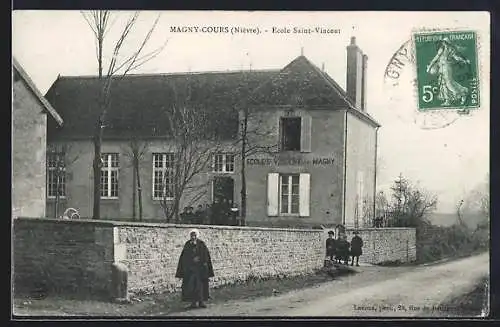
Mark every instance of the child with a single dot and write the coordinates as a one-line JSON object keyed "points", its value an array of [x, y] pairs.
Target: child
{"points": [[356, 248]]}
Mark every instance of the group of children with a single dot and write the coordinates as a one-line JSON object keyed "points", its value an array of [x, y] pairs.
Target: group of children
{"points": [[340, 249], [220, 212]]}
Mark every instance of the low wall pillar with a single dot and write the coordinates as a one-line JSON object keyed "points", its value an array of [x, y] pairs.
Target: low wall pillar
{"points": [[119, 283]]}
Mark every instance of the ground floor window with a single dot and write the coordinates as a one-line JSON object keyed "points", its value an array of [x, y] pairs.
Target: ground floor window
{"points": [[56, 175], [288, 194], [289, 191], [109, 175], [163, 176]]}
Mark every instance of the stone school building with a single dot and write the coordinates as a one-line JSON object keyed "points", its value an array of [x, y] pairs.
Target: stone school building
{"points": [[319, 167]]}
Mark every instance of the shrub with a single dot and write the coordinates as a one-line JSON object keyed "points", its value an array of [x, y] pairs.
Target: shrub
{"points": [[435, 243]]}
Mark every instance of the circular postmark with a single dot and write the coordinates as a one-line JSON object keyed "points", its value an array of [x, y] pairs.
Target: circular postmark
{"points": [[433, 78]]}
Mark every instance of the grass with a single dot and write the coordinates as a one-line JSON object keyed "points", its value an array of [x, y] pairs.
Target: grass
{"points": [[163, 304], [470, 304]]}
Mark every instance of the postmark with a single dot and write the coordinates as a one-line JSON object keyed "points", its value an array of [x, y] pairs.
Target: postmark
{"points": [[400, 85], [447, 70]]}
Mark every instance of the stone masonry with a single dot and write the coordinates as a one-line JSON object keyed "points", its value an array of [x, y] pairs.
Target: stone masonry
{"points": [[76, 256]]}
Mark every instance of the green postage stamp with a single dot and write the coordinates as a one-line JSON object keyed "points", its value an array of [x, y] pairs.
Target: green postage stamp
{"points": [[447, 70]]}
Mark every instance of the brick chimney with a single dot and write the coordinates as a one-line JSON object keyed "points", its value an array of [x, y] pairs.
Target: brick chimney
{"points": [[356, 75]]}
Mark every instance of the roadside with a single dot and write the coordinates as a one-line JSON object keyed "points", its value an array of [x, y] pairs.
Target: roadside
{"points": [[377, 292], [286, 296], [163, 304], [474, 303]]}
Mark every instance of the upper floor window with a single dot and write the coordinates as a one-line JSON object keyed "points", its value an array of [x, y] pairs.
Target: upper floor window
{"points": [[223, 163], [109, 175], [290, 133], [163, 176], [56, 175]]}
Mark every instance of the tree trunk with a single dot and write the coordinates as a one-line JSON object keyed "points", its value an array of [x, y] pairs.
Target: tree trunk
{"points": [[96, 212], [243, 187], [243, 171], [58, 185], [97, 176], [134, 183], [139, 189]]}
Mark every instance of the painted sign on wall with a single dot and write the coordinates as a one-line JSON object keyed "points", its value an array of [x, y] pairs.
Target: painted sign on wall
{"points": [[319, 161]]}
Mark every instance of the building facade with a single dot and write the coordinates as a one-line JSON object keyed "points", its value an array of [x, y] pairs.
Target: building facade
{"points": [[30, 112], [309, 155]]}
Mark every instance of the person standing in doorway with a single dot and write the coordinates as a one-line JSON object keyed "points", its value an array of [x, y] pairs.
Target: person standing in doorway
{"points": [[216, 212], [356, 248], [198, 215], [195, 268]]}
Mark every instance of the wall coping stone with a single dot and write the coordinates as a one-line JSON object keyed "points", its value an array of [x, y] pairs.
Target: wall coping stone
{"points": [[115, 223], [379, 228]]}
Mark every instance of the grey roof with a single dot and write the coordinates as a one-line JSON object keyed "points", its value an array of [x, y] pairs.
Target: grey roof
{"points": [[46, 105], [141, 103]]}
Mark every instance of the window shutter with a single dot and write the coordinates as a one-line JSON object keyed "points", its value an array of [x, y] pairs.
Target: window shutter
{"points": [[280, 135], [304, 194], [272, 194], [305, 138]]}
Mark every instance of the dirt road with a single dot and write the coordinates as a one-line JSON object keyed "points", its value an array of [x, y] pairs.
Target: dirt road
{"points": [[375, 291]]}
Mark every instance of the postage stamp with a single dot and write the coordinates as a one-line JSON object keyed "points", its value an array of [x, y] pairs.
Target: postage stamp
{"points": [[447, 70]]}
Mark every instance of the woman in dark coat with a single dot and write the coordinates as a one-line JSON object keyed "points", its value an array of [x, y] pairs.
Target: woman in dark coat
{"points": [[356, 248], [195, 268]]}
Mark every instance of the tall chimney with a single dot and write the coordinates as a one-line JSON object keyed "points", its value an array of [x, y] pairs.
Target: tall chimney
{"points": [[356, 75]]}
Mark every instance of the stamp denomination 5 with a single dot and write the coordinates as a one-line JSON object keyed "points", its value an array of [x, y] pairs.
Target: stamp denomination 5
{"points": [[447, 70]]}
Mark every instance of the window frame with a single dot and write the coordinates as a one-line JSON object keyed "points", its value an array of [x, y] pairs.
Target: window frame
{"points": [[108, 170], [289, 195], [59, 157], [224, 163], [163, 169], [282, 133]]}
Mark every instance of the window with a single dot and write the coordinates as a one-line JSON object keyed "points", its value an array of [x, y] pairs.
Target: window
{"points": [[288, 194], [290, 133], [163, 176], [223, 163], [109, 175], [56, 175]]}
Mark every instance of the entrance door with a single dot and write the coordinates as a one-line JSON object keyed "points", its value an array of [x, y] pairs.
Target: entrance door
{"points": [[222, 198], [223, 189]]}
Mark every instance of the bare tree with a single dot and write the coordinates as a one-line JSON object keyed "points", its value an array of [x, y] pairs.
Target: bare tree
{"points": [[251, 140], [135, 151], [476, 205], [100, 23], [461, 222], [60, 161], [193, 142], [249, 144], [411, 204]]}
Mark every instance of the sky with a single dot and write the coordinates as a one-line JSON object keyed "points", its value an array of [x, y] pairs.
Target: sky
{"points": [[448, 160]]}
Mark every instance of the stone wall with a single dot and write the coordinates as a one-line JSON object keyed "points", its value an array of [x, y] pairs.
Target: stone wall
{"points": [[151, 253], [62, 255], [387, 244], [77, 255]]}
